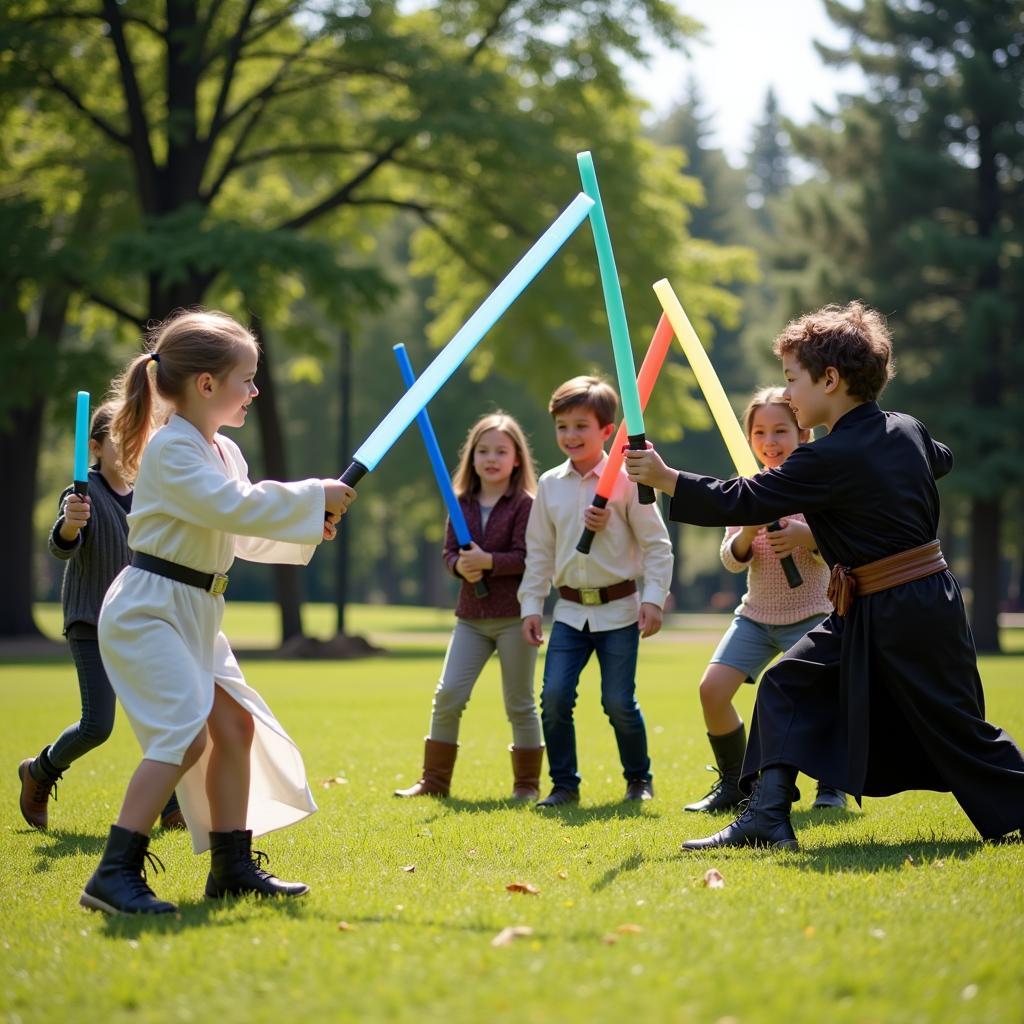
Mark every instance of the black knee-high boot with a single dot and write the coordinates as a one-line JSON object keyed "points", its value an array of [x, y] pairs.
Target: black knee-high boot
{"points": [[235, 869], [118, 886], [725, 793], [765, 819]]}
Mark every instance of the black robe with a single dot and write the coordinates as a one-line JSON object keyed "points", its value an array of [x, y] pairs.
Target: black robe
{"points": [[889, 698]]}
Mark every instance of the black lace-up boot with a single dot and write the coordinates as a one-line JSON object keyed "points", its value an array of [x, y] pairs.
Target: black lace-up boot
{"points": [[725, 794], [118, 885], [235, 869], [765, 819]]}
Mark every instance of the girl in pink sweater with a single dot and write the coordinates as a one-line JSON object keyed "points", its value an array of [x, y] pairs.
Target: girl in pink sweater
{"points": [[771, 616]]}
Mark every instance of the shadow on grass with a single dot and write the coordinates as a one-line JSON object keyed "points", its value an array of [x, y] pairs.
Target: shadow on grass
{"points": [[631, 863], [202, 913], [56, 843], [568, 814]]}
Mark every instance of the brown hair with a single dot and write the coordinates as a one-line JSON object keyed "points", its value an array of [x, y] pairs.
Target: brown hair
{"points": [[759, 399], [853, 338], [186, 344], [593, 393], [524, 477], [102, 417]]}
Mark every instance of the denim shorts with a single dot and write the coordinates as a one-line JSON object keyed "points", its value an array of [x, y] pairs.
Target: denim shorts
{"points": [[749, 646]]}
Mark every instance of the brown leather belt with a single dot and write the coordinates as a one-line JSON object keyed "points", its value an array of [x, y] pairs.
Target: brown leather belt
{"points": [[598, 595], [915, 564]]}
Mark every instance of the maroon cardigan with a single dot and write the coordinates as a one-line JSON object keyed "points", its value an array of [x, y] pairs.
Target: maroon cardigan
{"points": [[505, 539]]}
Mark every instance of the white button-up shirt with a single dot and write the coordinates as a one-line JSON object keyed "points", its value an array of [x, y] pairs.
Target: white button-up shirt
{"points": [[634, 543]]}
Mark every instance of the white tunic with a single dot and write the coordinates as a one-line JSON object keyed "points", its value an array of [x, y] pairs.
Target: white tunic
{"points": [[161, 640]]}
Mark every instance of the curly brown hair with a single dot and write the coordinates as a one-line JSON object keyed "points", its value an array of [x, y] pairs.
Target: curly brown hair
{"points": [[853, 338]]}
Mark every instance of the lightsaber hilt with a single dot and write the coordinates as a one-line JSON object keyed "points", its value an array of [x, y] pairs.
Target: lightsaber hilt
{"points": [[355, 472], [81, 488], [644, 492], [587, 537], [480, 588], [793, 577]]}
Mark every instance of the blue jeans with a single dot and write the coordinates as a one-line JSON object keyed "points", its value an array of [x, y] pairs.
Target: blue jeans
{"points": [[569, 651]]}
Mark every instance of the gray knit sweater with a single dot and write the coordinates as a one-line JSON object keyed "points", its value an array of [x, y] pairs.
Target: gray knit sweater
{"points": [[95, 557]]}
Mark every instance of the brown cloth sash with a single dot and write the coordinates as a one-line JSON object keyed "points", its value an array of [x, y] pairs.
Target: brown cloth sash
{"points": [[914, 564], [598, 595]]}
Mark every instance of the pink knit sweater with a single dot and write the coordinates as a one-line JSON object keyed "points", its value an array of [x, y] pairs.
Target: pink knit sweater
{"points": [[769, 598]]}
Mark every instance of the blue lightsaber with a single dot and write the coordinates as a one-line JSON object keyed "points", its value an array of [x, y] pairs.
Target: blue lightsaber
{"points": [[444, 482], [81, 477], [445, 363]]}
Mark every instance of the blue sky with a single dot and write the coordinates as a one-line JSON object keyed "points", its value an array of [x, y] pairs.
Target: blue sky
{"points": [[750, 45]]}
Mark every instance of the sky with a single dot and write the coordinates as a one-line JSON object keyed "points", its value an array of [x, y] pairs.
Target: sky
{"points": [[750, 46]]}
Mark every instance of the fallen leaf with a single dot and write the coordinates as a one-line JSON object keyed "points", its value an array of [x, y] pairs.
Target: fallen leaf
{"points": [[509, 935], [629, 929], [713, 879], [525, 887], [344, 926], [337, 780], [563, 874], [410, 868], [609, 939], [809, 931]]}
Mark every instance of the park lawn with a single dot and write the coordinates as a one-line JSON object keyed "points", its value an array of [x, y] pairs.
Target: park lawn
{"points": [[897, 913]]}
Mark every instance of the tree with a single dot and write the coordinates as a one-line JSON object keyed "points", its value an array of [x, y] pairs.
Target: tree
{"points": [[919, 211], [262, 144]]}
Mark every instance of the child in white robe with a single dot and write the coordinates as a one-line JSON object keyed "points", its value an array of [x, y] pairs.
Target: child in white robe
{"points": [[201, 728]]}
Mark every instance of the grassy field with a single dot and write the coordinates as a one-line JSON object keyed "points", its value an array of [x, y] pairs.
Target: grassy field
{"points": [[896, 913]]}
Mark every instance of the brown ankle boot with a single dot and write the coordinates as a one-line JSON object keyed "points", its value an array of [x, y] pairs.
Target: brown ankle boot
{"points": [[438, 765], [526, 765]]}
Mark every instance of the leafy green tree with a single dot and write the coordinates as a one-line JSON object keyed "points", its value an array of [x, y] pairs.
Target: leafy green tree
{"points": [[258, 147], [918, 210]]}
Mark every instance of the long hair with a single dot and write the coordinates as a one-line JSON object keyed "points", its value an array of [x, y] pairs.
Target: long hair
{"points": [[761, 398], [524, 477], [186, 344]]}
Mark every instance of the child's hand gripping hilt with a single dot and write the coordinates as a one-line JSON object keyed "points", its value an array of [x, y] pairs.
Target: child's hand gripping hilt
{"points": [[793, 577], [587, 537]]}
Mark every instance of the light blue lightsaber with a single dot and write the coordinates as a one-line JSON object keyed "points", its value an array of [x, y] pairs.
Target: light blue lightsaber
{"points": [[625, 368], [81, 476], [444, 482], [388, 431]]}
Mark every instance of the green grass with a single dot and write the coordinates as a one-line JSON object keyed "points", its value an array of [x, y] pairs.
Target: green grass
{"points": [[894, 914]]}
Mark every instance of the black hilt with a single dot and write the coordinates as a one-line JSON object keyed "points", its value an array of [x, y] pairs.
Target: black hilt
{"points": [[793, 577], [355, 472], [480, 587], [644, 493], [82, 488], [587, 537]]}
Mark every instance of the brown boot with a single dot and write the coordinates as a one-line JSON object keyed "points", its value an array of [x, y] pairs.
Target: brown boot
{"points": [[526, 765], [438, 765], [35, 795]]}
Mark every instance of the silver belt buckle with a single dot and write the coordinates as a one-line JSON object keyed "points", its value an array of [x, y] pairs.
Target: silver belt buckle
{"points": [[218, 584], [590, 595]]}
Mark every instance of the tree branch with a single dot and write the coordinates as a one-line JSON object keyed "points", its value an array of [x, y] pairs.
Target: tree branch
{"points": [[133, 19], [145, 164], [234, 49], [76, 101], [108, 304]]}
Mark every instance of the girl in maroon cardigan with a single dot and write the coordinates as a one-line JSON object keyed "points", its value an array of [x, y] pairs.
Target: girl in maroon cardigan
{"points": [[495, 483]]}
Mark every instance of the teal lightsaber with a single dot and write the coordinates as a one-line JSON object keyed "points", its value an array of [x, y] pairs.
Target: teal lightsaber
{"points": [[81, 476], [625, 368], [447, 361]]}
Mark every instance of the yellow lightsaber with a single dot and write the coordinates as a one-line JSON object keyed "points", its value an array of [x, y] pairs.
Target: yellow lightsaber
{"points": [[714, 394]]}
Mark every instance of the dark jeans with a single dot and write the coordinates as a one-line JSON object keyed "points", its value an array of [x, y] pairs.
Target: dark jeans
{"points": [[97, 721], [569, 651]]}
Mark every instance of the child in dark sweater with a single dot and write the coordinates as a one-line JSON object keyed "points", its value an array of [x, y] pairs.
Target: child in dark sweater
{"points": [[91, 536]]}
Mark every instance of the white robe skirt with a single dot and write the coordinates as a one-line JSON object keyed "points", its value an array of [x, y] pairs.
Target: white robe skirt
{"points": [[161, 640]]}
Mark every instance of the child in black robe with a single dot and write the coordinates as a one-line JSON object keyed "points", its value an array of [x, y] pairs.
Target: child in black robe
{"points": [[884, 695]]}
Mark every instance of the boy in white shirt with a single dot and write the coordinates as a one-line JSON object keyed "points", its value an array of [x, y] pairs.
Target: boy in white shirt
{"points": [[601, 609]]}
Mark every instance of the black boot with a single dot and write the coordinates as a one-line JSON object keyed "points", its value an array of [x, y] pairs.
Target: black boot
{"points": [[725, 793], [765, 819], [235, 869], [118, 886]]}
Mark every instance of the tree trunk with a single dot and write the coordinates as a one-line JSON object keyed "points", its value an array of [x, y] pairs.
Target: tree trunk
{"points": [[986, 523], [287, 581], [341, 549], [19, 455]]}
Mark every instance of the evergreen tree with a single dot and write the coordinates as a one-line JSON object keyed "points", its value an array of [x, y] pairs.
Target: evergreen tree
{"points": [[920, 212]]}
